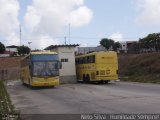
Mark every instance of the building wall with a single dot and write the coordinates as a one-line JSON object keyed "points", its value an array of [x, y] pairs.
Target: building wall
{"points": [[124, 45], [4, 55], [11, 49], [68, 71], [68, 68], [10, 68]]}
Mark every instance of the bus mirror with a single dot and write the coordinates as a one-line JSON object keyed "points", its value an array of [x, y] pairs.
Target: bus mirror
{"points": [[60, 65]]}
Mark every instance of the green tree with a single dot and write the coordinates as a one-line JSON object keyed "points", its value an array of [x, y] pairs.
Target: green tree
{"points": [[107, 43], [2, 48], [151, 42], [116, 46], [23, 50]]}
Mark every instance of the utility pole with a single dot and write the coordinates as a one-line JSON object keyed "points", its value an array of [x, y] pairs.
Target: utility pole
{"points": [[20, 31], [69, 33], [65, 40], [29, 45]]}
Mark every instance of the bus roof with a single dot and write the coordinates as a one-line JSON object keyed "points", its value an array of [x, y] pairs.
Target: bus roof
{"points": [[94, 53], [43, 52]]}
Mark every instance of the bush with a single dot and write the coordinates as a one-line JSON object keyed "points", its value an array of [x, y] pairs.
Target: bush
{"points": [[2, 48]]}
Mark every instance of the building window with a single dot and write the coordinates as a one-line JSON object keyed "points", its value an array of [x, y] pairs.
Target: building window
{"points": [[64, 60], [86, 60]]}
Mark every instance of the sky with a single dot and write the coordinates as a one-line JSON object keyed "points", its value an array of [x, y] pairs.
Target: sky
{"points": [[83, 22]]}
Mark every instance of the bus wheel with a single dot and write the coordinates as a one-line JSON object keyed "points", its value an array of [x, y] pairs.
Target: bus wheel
{"points": [[106, 82], [88, 78], [84, 78], [100, 82], [23, 83]]}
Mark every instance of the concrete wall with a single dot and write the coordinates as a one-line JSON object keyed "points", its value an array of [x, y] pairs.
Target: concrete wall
{"points": [[4, 55], [10, 68], [68, 79], [68, 71], [124, 45], [11, 49], [10, 73]]}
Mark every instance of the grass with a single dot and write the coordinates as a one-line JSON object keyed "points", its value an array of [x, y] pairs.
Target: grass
{"points": [[140, 67], [154, 78], [7, 110]]}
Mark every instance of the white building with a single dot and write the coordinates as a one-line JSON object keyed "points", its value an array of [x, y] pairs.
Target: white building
{"points": [[124, 46], [12, 48], [66, 55]]}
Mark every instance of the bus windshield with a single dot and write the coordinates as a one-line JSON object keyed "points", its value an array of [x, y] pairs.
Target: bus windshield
{"points": [[45, 68]]}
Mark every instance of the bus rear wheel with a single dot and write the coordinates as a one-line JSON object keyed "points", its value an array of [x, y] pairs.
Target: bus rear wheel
{"points": [[87, 78], [84, 78], [106, 82]]}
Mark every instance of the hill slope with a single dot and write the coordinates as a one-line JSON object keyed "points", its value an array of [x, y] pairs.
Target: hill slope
{"points": [[140, 67]]}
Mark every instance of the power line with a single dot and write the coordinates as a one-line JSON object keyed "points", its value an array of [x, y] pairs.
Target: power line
{"points": [[62, 37], [20, 33], [69, 33]]}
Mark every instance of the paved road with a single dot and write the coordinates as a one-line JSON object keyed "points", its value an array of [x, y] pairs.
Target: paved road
{"points": [[119, 97]]}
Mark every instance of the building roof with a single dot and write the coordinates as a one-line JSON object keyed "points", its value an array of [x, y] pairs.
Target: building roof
{"points": [[43, 52], [56, 46], [12, 46]]}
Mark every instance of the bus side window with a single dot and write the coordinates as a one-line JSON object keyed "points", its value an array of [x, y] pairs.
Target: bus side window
{"points": [[88, 59], [85, 60], [92, 59], [81, 60]]}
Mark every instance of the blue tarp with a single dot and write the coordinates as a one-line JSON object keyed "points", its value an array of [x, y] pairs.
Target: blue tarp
{"points": [[42, 57]]}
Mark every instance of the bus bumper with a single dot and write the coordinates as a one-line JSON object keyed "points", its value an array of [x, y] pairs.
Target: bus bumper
{"points": [[105, 78], [44, 82]]}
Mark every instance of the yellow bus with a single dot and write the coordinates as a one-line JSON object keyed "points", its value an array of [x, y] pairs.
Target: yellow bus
{"points": [[40, 69], [97, 67]]}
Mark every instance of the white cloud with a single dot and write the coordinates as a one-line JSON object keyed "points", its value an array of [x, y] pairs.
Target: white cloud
{"points": [[9, 22], [149, 12], [80, 17], [42, 41], [13, 39], [49, 17], [83, 44], [116, 36]]}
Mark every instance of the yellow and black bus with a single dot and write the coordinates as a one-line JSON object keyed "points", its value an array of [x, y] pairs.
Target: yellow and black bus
{"points": [[40, 69], [97, 67]]}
